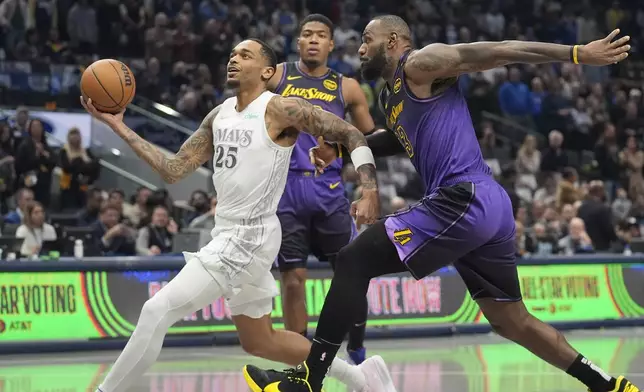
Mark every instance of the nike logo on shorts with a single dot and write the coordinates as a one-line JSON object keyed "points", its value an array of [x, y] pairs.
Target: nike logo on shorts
{"points": [[335, 185]]}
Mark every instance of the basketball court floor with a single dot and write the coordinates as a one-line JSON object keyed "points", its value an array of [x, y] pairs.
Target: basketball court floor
{"points": [[475, 363]]}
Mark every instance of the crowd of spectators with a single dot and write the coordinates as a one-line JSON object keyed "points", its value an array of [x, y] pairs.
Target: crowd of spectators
{"points": [[576, 177]]}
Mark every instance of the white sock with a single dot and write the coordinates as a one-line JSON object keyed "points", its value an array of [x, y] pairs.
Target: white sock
{"points": [[347, 374]]}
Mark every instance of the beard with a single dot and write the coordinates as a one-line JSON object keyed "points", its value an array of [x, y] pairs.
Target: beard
{"points": [[372, 69]]}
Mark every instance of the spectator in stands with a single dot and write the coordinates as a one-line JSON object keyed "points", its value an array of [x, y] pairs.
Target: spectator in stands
{"points": [[7, 167], [515, 100], [136, 209], [158, 42], [7, 140], [567, 213], [344, 32], [200, 202], [20, 124], [35, 162], [149, 84], [116, 197], [607, 157], [621, 205], [14, 20], [24, 197], [548, 193], [89, 215], [156, 238], [113, 238], [597, 217], [545, 244], [577, 241], [29, 48], [554, 158], [528, 162], [489, 148], [632, 158], [524, 243], [284, 18], [34, 231], [79, 171], [567, 192], [555, 108], [206, 221], [82, 27], [184, 41], [537, 95]]}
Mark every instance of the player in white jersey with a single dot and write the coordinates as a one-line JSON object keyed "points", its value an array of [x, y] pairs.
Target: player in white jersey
{"points": [[250, 138]]}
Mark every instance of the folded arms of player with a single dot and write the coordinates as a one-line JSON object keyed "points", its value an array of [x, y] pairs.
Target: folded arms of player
{"points": [[171, 167], [295, 113], [439, 61]]}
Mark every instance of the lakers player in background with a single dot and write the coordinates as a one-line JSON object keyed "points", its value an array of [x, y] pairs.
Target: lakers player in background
{"points": [[314, 211], [250, 138]]}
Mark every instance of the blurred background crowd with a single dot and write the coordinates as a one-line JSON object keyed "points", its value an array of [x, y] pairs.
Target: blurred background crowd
{"points": [[565, 140]]}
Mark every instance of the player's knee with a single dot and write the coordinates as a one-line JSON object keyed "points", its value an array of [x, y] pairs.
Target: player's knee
{"points": [[293, 283], [349, 263], [152, 312], [513, 325]]}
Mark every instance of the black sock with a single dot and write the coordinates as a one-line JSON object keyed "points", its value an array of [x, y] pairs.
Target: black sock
{"points": [[305, 333], [319, 361], [591, 375]]}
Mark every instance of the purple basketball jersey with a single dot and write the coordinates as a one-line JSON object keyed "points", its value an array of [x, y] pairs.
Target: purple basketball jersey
{"points": [[324, 92], [437, 133]]}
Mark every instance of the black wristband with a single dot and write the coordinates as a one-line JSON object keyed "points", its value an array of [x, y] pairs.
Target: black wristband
{"points": [[572, 53]]}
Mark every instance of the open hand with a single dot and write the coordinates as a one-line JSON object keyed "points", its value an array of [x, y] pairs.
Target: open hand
{"points": [[107, 118], [605, 51], [322, 155]]}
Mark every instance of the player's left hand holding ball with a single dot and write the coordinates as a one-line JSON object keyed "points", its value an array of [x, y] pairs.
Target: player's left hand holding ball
{"points": [[605, 51], [110, 119], [366, 210]]}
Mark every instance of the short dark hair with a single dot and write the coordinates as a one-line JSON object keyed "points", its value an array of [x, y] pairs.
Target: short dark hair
{"points": [[268, 52], [316, 18], [395, 24], [117, 191]]}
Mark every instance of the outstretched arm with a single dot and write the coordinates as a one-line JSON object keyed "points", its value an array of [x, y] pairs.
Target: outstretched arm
{"points": [[172, 167], [439, 61], [301, 115]]}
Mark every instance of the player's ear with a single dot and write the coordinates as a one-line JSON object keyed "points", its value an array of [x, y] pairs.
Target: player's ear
{"points": [[267, 73], [393, 37], [331, 45], [298, 45]]}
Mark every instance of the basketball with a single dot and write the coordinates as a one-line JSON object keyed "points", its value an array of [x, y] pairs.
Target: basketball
{"points": [[110, 84]]}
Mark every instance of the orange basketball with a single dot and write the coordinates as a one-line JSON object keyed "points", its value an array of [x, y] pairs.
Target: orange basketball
{"points": [[110, 84]]}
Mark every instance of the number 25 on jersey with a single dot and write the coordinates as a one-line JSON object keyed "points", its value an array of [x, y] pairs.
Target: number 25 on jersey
{"points": [[225, 156]]}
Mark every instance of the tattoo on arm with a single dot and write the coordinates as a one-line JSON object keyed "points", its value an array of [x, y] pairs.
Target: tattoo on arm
{"points": [[193, 153], [437, 61], [301, 115]]}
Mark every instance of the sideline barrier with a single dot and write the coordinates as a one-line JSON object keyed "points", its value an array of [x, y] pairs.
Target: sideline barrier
{"points": [[70, 304]]}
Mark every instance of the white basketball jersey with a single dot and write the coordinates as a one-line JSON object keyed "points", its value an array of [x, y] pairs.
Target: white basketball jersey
{"points": [[250, 169]]}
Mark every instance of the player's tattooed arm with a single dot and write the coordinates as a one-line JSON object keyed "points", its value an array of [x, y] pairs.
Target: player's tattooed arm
{"points": [[173, 167], [440, 61], [296, 113]]}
